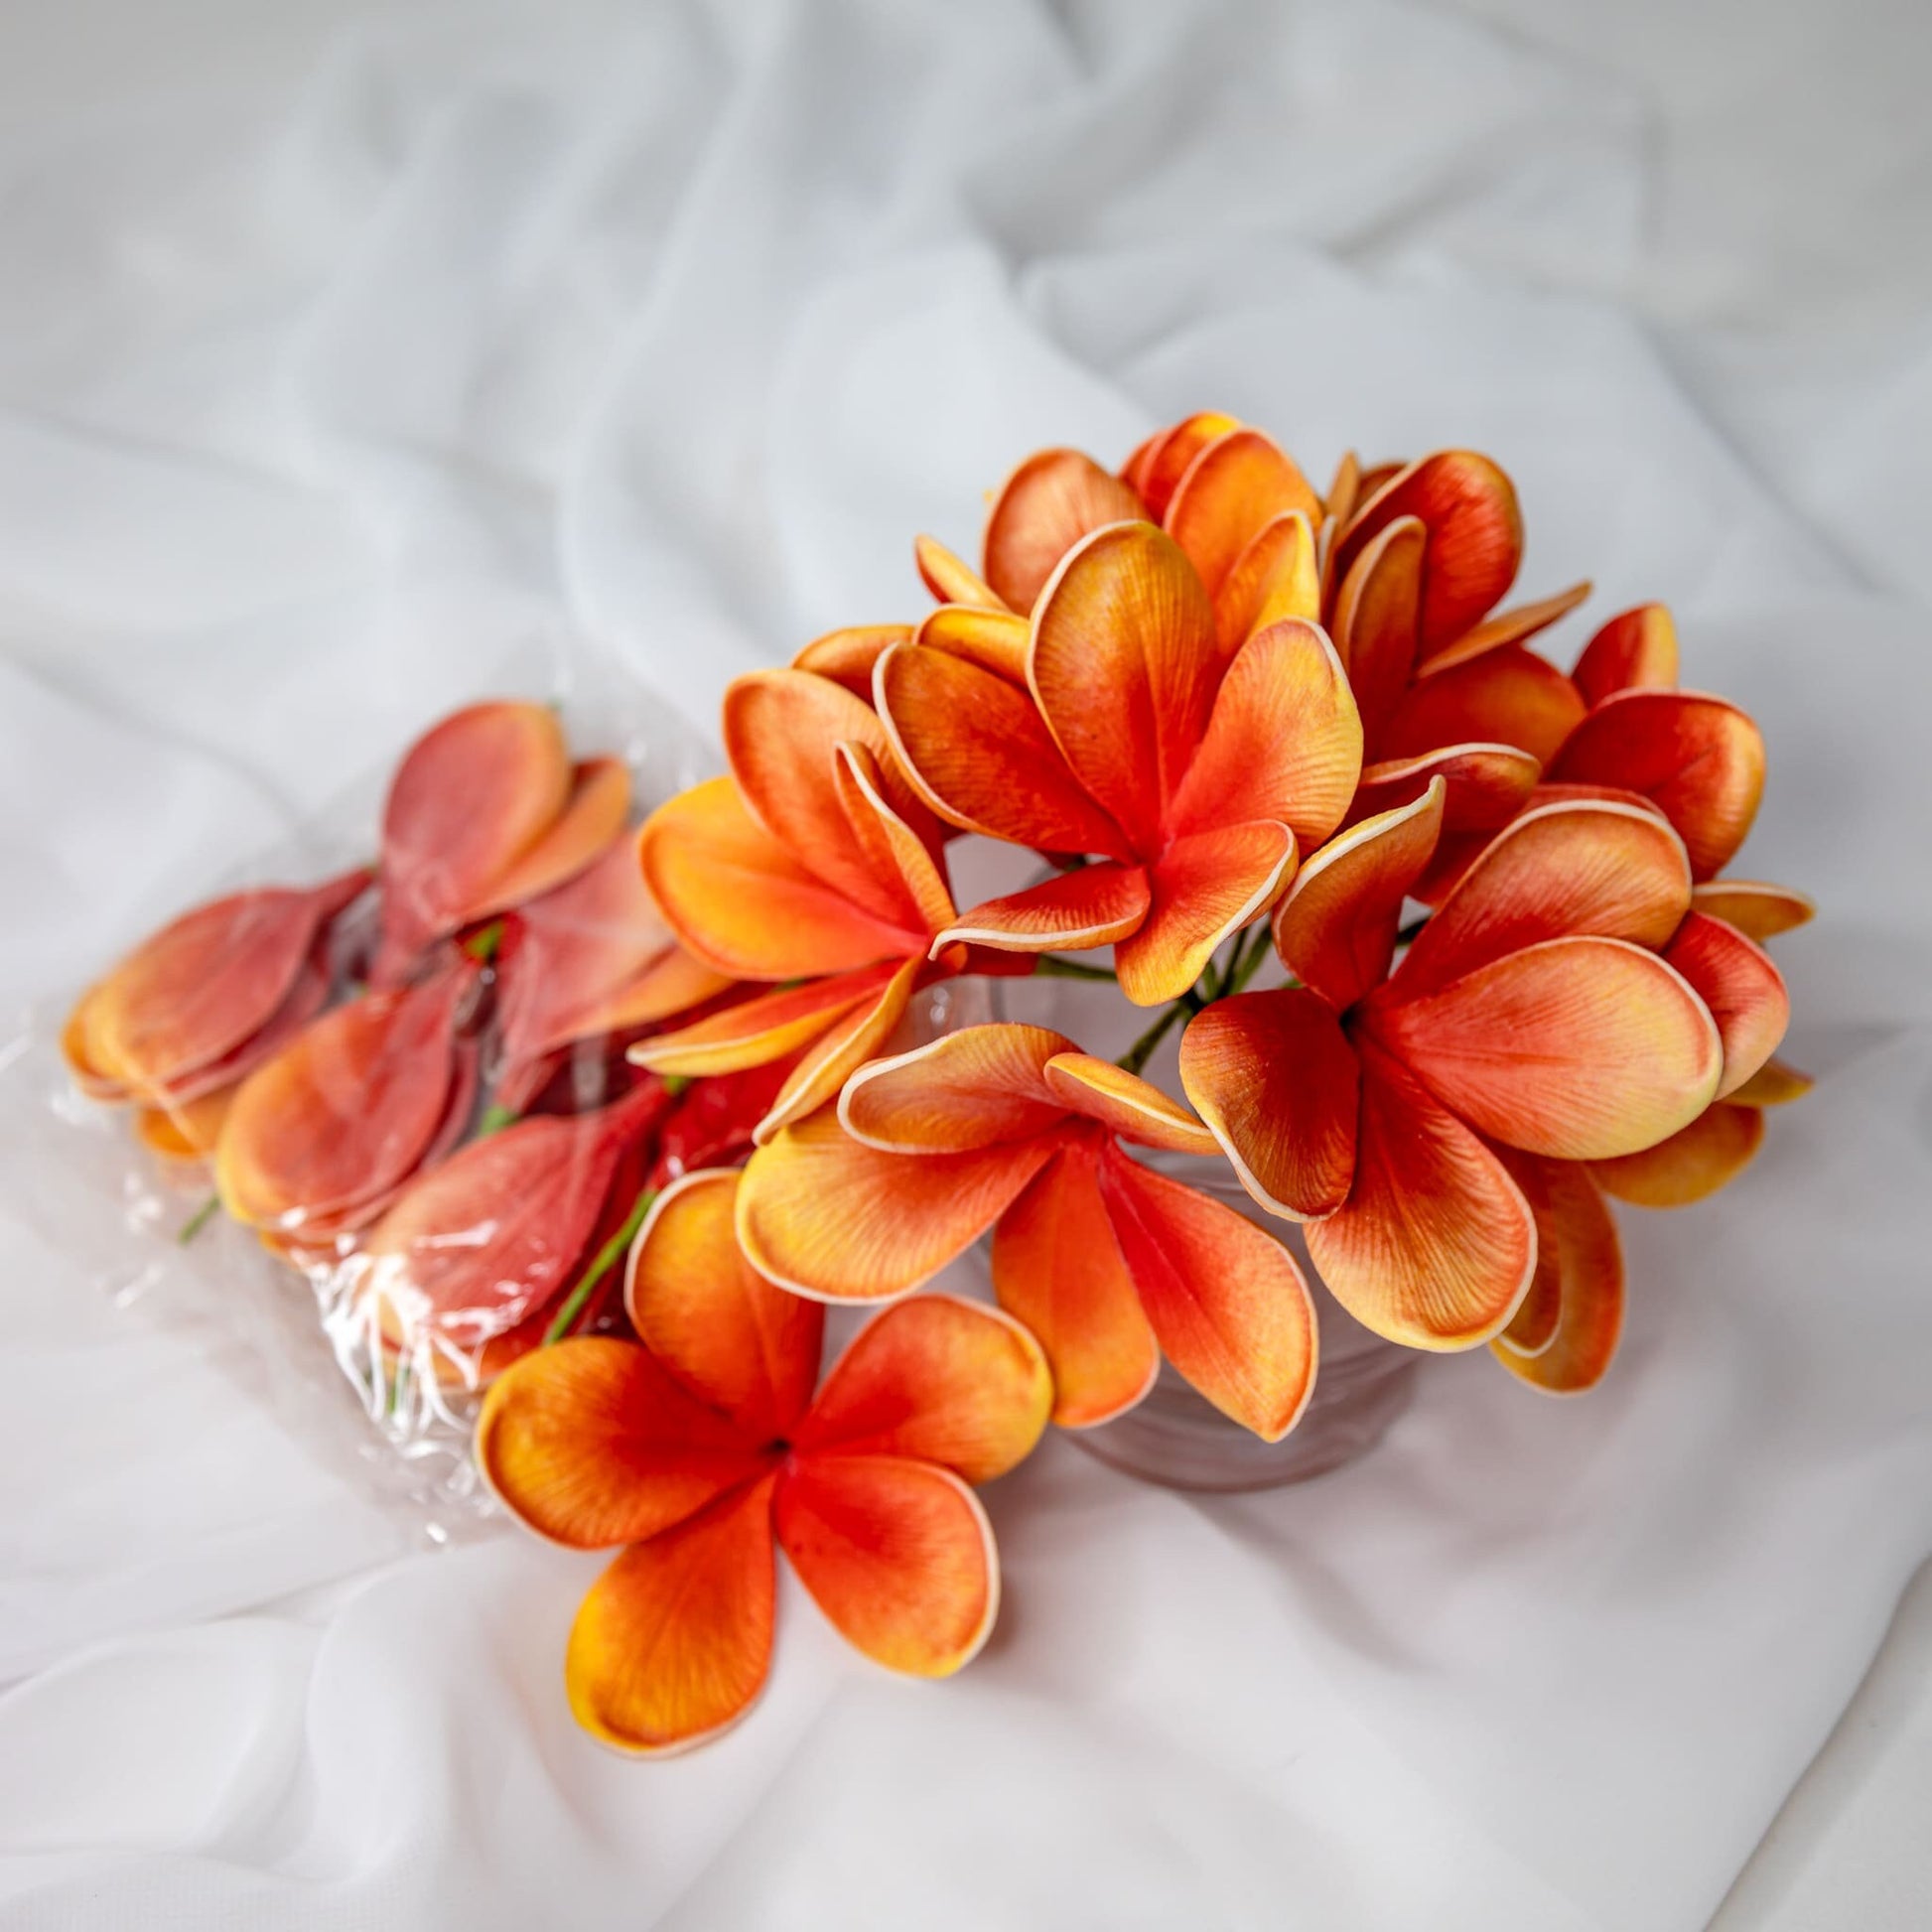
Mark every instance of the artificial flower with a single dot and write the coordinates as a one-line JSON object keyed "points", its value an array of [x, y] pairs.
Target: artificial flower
{"points": [[700, 1447], [1108, 1263]]}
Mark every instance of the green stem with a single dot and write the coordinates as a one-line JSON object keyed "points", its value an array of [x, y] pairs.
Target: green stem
{"points": [[481, 946], [1246, 968], [607, 1259], [1141, 1050], [196, 1221], [1049, 967], [495, 1117]]}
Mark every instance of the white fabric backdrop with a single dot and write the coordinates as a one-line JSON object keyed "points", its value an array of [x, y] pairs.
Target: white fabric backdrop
{"points": [[327, 382]]}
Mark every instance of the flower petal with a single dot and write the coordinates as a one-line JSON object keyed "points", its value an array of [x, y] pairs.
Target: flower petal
{"points": [[1204, 886], [979, 753], [1053, 500], [1578, 1049], [1378, 617], [847, 656], [1507, 695], [592, 1443], [1238, 482], [719, 1327], [939, 1380], [1774, 1084], [743, 904], [1224, 1298], [1744, 990], [995, 640], [1093, 905], [673, 1643], [757, 1032], [1125, 1104], [1636, 650], [825, 1216], [1505, 628], [1274, 1077], [1156, 468], [840, 1052], [1283, 741], [1436, 1246], [1336, 928], [1057, 1267], [1757, 909], [1533, 1328], [1124, 667], [1277, 576], [898, 857], [1588, 1273], [188, 1132], [1344, 490], [1486, 785], [898, 1554], [961, 1091], [674, 982], [1475, 538], [949, 579], [1586, 867], [1700, 759], [1692, 1164], [593, 814]]}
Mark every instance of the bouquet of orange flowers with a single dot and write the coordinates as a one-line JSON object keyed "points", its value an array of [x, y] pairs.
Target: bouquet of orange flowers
{"points": [[1444, 932]]}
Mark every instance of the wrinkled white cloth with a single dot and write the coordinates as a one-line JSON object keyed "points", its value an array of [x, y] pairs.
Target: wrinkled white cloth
{"points": [[665, 330]]}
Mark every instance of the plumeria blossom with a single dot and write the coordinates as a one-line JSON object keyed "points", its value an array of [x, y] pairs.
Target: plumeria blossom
{"points": [[813, 864], [701, 1446], [1110, 1264], [1566, 1002], [1129, 730]]}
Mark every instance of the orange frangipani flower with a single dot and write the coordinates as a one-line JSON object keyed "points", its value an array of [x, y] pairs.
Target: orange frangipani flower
{"points": [[1564, 1004], [700, 1445], [1194, 769], [1109, 1264], [812, 863]]}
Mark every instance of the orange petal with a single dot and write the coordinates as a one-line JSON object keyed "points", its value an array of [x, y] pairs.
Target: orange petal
{"points": [[1057, 1267], [1507, 695], [671, 984], [839, 1052], [1278, 1084], [1336, 928], [470, 798], [1486, 785], [961, 1091], [1744, 990], [1224, 1298], [188, 1132], [1505, 628], [1694, 1163], [1774, 1084], [1700, 759], [1283, 741], [722, 1329], [1344, 491], [1204, 888], [995, 640], [1158, 465], [1533, 1328], [939, 1380], [981, 756], [674, 1640], [757, 1032], [1475, 538], [1378, 613], [1578, 1048], [898, 1554], [1590, 867], [1124, 667], [1277, 576], [822, 1216], [949, 579], [1636, 650], [1053, 500], [910, 879], [347, 1112], [1125, 1104], [1758, 910], [591, 1442], [1436, 1246], [592, 815], [743, 904], [1094, 905], [847, 656], [1588, 1271], [1236, 485]]}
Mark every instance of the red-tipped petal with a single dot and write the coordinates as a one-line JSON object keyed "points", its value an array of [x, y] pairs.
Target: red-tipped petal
{"points": [[939, 1380], [1344, 490], [1507, 695], [1636, 650], [592, 815], [1204, 888], [840, 1052], [1053, 500], [900, 859], [1378, 617], [1758, 910], [1744, 990], [1224, 1298], [1094, 905], [961, 1091], [1486, 785], [1274, 1077], [847, 656], [1156, 468], [949, 579], [1700, 759], [757, 1032], [1277, 576], [1236, 485], [1692, 1165], [1589, 1275], [1505, 628], [1125, 1104]]}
